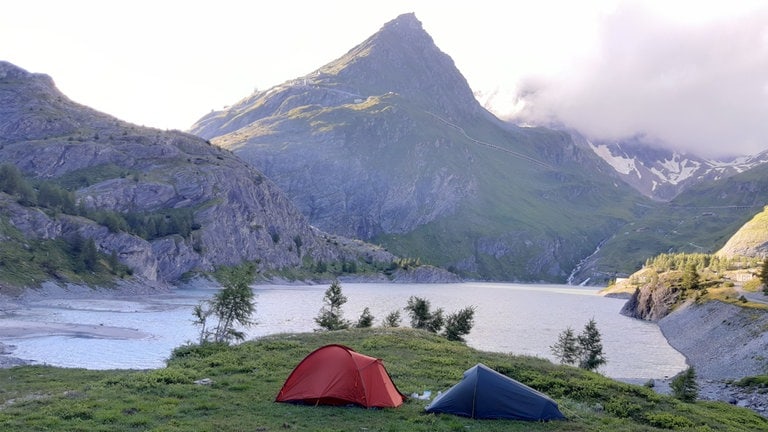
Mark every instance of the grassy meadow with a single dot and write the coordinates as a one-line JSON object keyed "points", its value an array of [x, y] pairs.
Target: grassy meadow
{"points": [[246, 378]]}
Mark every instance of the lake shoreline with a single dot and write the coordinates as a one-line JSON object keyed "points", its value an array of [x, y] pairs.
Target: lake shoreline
{"points": [[497, 299]]}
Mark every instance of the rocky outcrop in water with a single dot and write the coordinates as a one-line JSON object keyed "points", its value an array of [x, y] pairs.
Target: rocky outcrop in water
{"points": [[651, 303]]}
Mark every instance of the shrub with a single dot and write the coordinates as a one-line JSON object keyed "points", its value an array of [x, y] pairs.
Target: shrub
{"points": [[668, 421]]}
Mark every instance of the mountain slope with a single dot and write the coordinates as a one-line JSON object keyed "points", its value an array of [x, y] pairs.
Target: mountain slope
{"points": [[388, 144], [124, 171], [699, 220], [750, 240]]}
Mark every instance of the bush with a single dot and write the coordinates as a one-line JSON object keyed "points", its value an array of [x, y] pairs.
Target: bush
{"points": [[668, 421]]}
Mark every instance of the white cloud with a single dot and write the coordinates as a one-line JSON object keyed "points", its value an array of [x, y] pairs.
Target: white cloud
{"points": [[698, 85]]}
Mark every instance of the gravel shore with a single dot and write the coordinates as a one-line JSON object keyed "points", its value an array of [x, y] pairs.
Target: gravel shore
{"points": [[723, 343], [11, 326]]}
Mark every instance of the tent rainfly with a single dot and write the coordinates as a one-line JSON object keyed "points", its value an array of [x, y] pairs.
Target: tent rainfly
{"points": [[484, 393], [337, 375]]}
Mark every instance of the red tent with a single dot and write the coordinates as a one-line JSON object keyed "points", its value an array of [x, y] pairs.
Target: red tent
{"points": [[337, 375]]}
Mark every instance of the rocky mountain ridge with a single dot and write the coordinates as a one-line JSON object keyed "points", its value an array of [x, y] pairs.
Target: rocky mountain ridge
{"points": [[388, 144], [239, 215]]}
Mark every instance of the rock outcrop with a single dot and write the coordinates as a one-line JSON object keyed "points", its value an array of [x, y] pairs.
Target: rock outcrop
{"points": [[651, 303]]}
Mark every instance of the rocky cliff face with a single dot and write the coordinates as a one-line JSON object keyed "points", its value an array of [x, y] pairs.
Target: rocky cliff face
{"points": [[651, 303], [388, 144], [112, 165]]}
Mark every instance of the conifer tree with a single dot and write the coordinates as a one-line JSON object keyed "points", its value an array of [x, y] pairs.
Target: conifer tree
{"points": [[330, 316], [590, 347], [365, 320], [459, 324], [566, 349], [684, 386]]}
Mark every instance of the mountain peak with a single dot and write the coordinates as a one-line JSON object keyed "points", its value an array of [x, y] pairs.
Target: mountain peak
{"points": [[402, 58], [9, 71]]}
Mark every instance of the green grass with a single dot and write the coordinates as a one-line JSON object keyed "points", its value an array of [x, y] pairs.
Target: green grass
{"points": [[247, 377]]}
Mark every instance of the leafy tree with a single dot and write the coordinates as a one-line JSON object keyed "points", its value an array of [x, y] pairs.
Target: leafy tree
{"points": [[365, 320], [691, 279], [422, 317], [590, 347], [459, 324], [330, 317], [231, 306], [684, 386], [392, 319], [567, 348]]}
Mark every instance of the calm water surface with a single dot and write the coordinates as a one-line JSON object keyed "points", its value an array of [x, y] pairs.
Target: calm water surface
{"points": [[509, 318]]}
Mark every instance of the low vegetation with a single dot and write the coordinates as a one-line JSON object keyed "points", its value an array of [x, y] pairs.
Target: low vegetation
{"points": [[243, 380]]}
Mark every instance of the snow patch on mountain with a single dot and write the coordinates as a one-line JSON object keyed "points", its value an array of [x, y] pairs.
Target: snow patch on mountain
{"points": [[677, 169], [621, 164], [661, 173]]}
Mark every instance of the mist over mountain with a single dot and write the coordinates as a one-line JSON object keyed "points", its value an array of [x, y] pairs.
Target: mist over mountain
{"points": [[388, 144]]}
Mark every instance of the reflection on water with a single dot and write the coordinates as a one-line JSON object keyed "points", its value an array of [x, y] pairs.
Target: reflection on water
{"points": [[509, 318]]}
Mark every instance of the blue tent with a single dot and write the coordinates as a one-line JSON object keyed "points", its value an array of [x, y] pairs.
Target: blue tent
{"points": [[484, 393]]}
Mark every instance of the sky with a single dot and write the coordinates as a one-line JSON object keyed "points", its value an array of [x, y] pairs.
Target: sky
{"points": [[687, 74]]}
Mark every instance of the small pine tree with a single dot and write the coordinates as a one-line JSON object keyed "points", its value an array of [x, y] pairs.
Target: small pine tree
{"points": [[459, 324], [590, 347], [365, 320], [392, 319], [566, 349], [422, 317], [691, 279], [330, 316], [684, 386]]}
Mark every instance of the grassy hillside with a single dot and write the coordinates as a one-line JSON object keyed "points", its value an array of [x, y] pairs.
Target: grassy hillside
{"points": [[246, 379]]}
